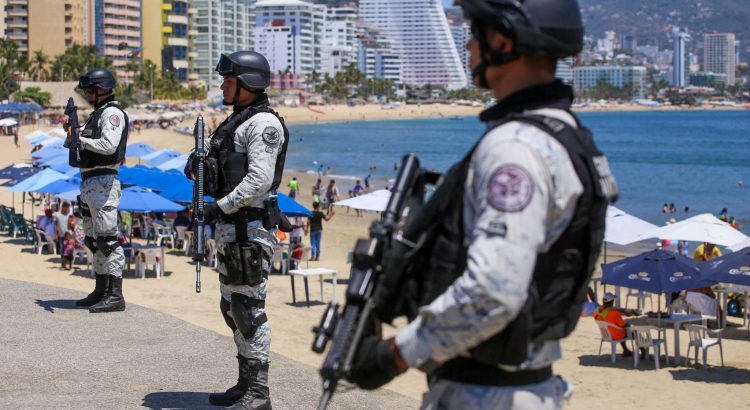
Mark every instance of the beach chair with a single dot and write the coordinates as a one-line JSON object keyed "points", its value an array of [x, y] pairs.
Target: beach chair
{"points": [[20, 226], [42, 241], [161, 233], [607, 337], [698, 340], [148, 257], [180, 238], [644, 340], [211, 258]]}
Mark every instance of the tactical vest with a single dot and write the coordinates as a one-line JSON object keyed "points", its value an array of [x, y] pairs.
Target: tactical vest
{"points": [[225, 167], [561, 274], [90, 159]]}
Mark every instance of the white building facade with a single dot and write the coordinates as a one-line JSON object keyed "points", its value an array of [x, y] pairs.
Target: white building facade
{"points": [[461, 32], [375, 55], [220, 27], [339, 46], [718, 55], [619, 76], [422, 39], [289, 33], [680, 60]]}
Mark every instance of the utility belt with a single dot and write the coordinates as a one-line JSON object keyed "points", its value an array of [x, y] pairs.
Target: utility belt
{"points": [[97, 172], [243, 216], [469, 371], [242, 259]]}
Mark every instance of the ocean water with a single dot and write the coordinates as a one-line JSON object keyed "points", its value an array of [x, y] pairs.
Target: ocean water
{"points": [[689, 158]]}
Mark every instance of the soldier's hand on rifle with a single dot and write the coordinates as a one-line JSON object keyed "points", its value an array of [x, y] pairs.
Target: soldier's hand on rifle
{"points": [[66, 125], [212, 213], [376, 363], [190, 168]]}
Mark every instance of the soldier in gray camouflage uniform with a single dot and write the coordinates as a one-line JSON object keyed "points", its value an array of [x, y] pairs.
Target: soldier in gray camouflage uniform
{"points": [[508, 271], [245, 160], [103, 139]]}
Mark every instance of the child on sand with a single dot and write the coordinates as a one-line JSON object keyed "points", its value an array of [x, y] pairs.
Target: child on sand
{"points": [[69, 245]]}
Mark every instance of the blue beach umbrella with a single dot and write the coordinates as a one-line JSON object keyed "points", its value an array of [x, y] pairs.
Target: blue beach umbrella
{"points": [[138, 150], [656, 271], [49, 152], [62, 166], [18, 171], [731, 268], [177, 163], [162, 158], [70, 195], [52, 141], [37, 180], [61, 185], [137, 199], [36, 137], [290, 207]]}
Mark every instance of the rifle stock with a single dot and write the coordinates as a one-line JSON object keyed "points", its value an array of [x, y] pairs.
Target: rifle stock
{"points": [[198, 203], [72, 112], [346, 329]]}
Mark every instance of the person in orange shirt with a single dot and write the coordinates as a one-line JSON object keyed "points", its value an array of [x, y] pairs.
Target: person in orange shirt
{"points": [[608, 313]]}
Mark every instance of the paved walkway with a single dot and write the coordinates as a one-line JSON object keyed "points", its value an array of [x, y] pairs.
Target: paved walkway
{"points": [[53, 355]]}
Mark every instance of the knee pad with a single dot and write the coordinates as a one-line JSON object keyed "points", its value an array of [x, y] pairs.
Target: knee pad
{"points": [[107, 244], [243, 316], [225, 306], [90, 243]]}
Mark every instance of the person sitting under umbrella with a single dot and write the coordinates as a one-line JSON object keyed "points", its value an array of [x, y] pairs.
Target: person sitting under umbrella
{"points": [[608, 313], [703, 300]]}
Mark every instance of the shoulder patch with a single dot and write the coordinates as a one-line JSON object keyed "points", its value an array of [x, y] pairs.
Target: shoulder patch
{"points": [[510, 188], [114, 120], [271, 136]]}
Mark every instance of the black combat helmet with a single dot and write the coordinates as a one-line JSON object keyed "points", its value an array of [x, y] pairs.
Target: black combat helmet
{"points": [[551, 27], [98, 77], [250, 68]]}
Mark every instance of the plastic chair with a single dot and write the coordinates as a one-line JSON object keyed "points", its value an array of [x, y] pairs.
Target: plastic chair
{"points": [[281, 256], [607, 337], [644, 340], [161, 233], [41, 243], [147, 258], [89, 261], [698, 340], [212, 260], [303, 256], [180, 238], [640, 297]]}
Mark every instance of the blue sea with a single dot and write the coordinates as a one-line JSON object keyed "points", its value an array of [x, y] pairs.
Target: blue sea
{"points": [[690, 158]]}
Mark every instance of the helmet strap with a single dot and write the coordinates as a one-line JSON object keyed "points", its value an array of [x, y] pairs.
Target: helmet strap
{"points": [[496, 57]]}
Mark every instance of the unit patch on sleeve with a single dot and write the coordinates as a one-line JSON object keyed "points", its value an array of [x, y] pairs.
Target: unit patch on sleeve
{"points": [[271, 136], [114, 120], [510, 188]]}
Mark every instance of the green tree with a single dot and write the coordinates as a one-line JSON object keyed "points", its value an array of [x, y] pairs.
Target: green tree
{"points": [[38, 68], [34, 94], [77, 60], [11, 67]]}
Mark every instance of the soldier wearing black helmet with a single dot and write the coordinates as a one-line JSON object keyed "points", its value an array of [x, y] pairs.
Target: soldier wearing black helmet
{"points": [[103, 139], [502, 273], [245, 160]]}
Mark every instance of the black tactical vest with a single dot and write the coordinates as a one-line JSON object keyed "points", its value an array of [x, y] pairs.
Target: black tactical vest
{"points": [[226, 168], [90, 159], [560, 277]]}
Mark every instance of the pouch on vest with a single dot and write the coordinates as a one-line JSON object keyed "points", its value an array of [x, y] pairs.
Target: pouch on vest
{"points": [[232, 168], [271, 212], [244, 263]]}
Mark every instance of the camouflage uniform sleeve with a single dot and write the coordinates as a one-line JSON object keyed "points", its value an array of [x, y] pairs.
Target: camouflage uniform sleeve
{"points": [[111, 124], [506, 203], [262, 139]]}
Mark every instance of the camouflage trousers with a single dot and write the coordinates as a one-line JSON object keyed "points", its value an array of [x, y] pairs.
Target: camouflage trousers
{"points": [[548, 395], [102, 196], [258, 346]]}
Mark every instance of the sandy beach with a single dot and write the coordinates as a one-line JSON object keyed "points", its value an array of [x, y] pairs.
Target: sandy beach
{"points": [[597, 381]]}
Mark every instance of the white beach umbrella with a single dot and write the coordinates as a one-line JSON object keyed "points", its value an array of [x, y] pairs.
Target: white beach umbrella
{"points": [[6, 122], [374, 201], [739, 245], [57, 132], [174, 163], [700, 228], [623, 228]]}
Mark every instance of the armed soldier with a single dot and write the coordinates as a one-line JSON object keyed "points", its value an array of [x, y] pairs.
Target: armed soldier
{"points": [[101, 150], [503, 272], [243, 170]]}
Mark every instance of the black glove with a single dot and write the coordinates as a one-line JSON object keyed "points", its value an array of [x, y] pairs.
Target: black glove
{"points": [[211, 213], [375, 364], [190, 167]]}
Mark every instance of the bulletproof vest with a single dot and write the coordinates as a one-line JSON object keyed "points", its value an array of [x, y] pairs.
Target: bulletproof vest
{"points": [[225, 167], [90, 159], [561, 274]]}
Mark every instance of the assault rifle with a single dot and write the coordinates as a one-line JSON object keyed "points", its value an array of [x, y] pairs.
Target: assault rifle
{"points": [[198, 203], [75, 142], [345, 329]]}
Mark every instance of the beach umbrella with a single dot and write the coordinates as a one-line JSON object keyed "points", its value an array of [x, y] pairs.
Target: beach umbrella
{"points": [[731, 268], [51, 141], [155, 154], [623, 228], [290, 207], [62, 166], [58, 132], [49, 152], [734, 248], [700, 228], [8, 122], [138, 199], [61, 185], [17, 171], [138, 150], [177, 163], [37, 180], [374, 201], [36, 137], [70, 195], [162, 158]]}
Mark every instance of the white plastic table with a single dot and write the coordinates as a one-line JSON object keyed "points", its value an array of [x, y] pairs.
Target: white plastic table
{"points": [[306, 273], [676, 320]]}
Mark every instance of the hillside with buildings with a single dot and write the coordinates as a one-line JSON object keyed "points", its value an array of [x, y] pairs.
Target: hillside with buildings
{"points": [[651, 21]]}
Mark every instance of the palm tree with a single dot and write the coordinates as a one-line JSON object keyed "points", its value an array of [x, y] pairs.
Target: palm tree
{"points": [[38, 67]]}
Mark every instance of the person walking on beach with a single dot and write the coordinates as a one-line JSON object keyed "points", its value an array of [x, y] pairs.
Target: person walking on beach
{"points": [[357, 191], [315, 228], [293, 187], [332, 195], [316, 190], [248, 150], [15, 137], [103, 139], [516, 230]]}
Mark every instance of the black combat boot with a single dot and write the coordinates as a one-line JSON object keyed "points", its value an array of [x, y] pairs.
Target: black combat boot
{"points": [[102, 282], [113, 300], [256, 396], [234, 393]]}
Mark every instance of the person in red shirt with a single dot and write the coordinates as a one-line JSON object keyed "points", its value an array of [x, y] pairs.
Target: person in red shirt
{"points": [[608, 313]]}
